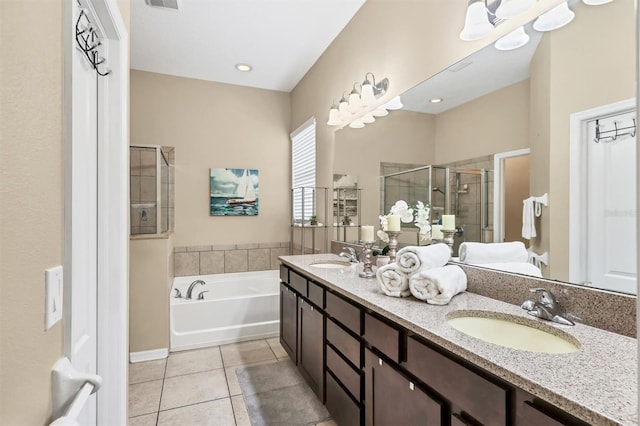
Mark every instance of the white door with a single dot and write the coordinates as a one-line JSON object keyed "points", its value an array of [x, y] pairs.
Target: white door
{"points": [[611, 205], [81, 248]]}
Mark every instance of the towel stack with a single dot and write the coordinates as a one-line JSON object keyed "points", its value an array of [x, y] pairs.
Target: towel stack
{"points": [[421, 272], [509, 257]]}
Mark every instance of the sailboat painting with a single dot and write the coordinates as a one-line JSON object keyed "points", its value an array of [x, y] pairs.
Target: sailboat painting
{"points": [[233, 192]]}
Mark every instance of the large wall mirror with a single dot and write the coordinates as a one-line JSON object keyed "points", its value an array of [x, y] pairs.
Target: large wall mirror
{"points": [[538, 102]]}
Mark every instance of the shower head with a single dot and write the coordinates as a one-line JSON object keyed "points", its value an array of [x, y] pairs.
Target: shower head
{"points": [[436, 189]]}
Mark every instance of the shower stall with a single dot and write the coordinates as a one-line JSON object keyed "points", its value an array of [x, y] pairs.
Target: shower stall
{"points": [[462, 192], [151, 189]]}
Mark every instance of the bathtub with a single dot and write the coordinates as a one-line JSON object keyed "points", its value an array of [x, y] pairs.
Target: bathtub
{"points": [[236, 307]]}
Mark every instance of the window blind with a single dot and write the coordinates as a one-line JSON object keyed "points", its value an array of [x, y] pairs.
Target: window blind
{"points": [[303, 169]]}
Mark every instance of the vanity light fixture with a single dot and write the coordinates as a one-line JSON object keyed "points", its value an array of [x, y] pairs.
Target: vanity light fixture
{"points": [[243, 67], [353, 102], [513, 40], [510, 8], [555, 18], [476, 23]]}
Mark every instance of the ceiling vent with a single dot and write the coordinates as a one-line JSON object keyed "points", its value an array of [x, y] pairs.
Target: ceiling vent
{"points": [[168, 4]]}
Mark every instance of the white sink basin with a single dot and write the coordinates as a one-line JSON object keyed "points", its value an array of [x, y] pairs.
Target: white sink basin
{"points": [[330, 264], [512, 332]]}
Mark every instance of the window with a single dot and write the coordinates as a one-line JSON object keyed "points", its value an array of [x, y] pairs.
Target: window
{"points": [[303, 169]]}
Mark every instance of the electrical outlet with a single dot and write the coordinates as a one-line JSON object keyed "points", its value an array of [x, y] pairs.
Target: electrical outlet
{"points": [[53, 296]]}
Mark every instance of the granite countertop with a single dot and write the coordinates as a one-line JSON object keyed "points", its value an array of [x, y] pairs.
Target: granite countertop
{"points": [[597, 384]]}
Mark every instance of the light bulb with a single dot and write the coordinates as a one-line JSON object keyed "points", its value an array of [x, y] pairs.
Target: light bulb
{"points": [[555, 18], [476, 23], [513, 40]]}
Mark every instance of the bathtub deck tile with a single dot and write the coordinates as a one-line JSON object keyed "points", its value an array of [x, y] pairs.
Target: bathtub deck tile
{"points": [[187, 362], [259, 259], [194, 388], [144, 398], [219, 412], [243, 353], [235, 261], [211, 262], [146, 371], [187, 263]]}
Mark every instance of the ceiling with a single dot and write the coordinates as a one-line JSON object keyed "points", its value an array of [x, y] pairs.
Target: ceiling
{"points": [[205, 39]]}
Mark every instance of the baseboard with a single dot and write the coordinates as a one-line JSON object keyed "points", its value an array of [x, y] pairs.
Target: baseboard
{"points": [[148, 355]]}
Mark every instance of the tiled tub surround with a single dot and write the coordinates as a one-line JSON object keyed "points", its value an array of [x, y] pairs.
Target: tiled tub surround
{"points": [[615, 312], [597, 384], [219, 259]]}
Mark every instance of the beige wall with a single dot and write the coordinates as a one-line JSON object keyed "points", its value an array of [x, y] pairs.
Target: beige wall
{"points": [[497, 122], [599, 72], [217, 125], [31, 191], [150, 277]]}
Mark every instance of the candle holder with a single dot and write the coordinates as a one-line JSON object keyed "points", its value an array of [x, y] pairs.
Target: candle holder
{"points": [[367, 272], [448, 238], [393, 244]]}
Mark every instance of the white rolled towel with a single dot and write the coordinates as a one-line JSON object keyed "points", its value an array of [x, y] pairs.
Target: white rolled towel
{"points": [[393, 281], [515, 267], [437, 286], [479, 253], [415, 258]]}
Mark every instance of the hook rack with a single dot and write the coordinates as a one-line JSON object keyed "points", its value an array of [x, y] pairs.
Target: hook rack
{"points": [[616, 132], [88, 42]]}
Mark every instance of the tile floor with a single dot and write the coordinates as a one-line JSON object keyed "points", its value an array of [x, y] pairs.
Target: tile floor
{"points": [[197, 387]]}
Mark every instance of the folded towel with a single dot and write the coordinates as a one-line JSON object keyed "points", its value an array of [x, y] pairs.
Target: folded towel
{"points": [[528, 221], [479, 253], [413, 258], [393, 281], [438, 285], [515, 267]]}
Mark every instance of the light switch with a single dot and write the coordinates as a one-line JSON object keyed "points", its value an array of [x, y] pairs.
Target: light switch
{"points": [[53, 296]]}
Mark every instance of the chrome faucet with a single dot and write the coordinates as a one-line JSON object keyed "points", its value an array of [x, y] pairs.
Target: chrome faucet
{"points": [[547, 308], [350, 254], [191, 286]]}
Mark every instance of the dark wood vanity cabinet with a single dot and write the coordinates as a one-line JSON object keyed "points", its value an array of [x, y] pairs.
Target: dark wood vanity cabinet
{"points": [[369, 370], [311, 346]]}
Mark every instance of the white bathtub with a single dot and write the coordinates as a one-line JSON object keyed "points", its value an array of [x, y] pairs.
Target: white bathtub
{"points": [[236, 307]]}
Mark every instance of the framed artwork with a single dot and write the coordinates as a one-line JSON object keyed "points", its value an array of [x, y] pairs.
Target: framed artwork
{"points": [[233, 192]]}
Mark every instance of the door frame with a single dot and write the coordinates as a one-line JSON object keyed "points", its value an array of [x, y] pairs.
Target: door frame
{"points": [[113, 199], [498, 190], [577, 187]]}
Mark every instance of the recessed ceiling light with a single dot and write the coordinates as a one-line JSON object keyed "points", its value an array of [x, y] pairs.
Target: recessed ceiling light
{"points": [[435, 100], [243, 67]]}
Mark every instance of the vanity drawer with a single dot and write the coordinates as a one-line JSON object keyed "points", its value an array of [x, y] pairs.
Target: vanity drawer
{"points": [[344, 312], [348, 345], [349, 377], [284, 274], [298, 283], [316, 294], [344, 410], [382, 336], [485, 401]]}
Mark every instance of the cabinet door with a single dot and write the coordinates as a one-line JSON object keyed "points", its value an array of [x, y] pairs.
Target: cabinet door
{"points": [[311, 346], [289, 321], [392, 399]]}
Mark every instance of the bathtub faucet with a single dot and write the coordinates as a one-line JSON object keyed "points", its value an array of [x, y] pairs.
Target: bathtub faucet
{"points": [[191, 286]]}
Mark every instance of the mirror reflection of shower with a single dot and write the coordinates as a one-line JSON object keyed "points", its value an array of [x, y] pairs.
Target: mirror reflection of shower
{"points": [[461, 191], [151, 189]]}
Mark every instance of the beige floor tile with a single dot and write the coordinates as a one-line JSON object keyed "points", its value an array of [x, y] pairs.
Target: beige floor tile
{"points": [[194, 361], [327, 423], [276, 347], [219, 413], [144, 398], [193, 388], [232, 378], [146, 371], [240, 411], [246, 353], [146, 420]]}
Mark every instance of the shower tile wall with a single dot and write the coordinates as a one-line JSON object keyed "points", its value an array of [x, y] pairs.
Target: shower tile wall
{"points": [[167, 184], [143, 190], [410, 187]]}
